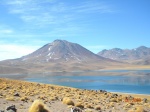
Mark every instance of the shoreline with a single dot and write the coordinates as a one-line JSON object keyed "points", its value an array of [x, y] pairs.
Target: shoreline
{"points": [[134, 94], [23, 77], [82, 71], [90, 89], [112, 72], [125, 93]]}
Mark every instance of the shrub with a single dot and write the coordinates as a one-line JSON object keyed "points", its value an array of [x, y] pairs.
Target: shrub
{"points": [[88, 106], [88, 111], [113, 100], [24, 98], [68, 101], [79, 104], [97, 107], [140, 109], [10, 98], [38, 106]]}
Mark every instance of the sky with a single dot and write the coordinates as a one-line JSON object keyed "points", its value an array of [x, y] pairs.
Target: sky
{"points": [[26, 25]]}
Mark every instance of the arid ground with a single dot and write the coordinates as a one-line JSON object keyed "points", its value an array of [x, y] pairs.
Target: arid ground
{"points": [[61, 99]]}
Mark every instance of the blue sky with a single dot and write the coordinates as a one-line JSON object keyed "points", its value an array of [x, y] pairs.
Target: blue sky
{"points": [[26, 25]]}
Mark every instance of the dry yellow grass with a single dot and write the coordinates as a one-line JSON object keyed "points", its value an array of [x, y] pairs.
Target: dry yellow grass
{"points": [[10, 98], [97, 107], [113, 100], [38, 106], [140, 109], [68, 101], [24, 98], [79, 104]]}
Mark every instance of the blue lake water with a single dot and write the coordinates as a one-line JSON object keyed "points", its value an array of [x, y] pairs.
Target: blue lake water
{"points": [[112, 81]]}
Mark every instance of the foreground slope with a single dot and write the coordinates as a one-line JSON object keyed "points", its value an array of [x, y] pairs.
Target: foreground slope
{"points": [[61, 99]]}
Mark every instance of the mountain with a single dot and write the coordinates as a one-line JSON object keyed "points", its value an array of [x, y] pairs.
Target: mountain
{"points": [[141, 53], [11, 69], [61, 50], [60, 55], [144, 61]]}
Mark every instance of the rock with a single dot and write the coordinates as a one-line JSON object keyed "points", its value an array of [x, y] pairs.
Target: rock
{"points": [[16, 94], [130, 98], [140, 109], [1, 110], [114, 95], [128, 105], [75, 109], [103, 91], [11, 109], [145, 100], [38, 84]]}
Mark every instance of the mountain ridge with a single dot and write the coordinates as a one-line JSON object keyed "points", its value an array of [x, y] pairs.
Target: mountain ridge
{"points": [[140, 54], [61, 50], [60, 55]]}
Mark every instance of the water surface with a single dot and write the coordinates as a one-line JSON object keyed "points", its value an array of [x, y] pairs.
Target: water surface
{"points": [[127, 81]]}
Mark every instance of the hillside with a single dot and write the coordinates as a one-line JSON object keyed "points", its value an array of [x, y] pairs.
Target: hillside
{"points": [[60, 51], [140, 54], [60, 55]]}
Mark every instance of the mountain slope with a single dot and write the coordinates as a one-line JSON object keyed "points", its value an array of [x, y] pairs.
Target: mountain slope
{"points": [[11, 70], [61, 50], [144, 61], [126, 54], [60, 55]]}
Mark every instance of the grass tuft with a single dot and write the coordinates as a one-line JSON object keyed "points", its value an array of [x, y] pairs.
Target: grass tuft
{"points": [[79, 104], [10, 98], [38, 106], [68, 101]]}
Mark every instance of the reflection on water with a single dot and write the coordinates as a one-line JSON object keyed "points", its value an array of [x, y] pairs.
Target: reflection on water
{"points": [[114, 81]]}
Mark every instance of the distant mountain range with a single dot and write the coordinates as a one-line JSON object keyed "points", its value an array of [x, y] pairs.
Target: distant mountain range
{"points": [[140, 55], [60, 55]]}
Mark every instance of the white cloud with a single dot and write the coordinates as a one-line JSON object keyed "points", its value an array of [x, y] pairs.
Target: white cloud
{"points": [[60, 19], [92, 7], [49, 12], [6, 31], [10, 51]]}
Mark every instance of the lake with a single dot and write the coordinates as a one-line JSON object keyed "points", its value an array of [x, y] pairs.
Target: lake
{"points": [[128, 81]]}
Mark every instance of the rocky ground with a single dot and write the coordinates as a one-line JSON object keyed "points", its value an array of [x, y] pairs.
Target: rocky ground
{"points": [[60, 99]]}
